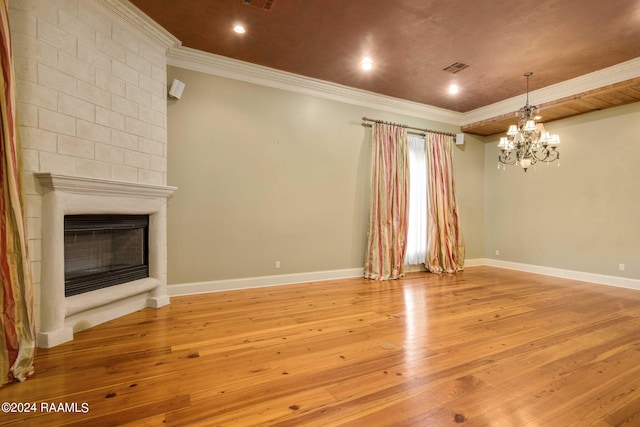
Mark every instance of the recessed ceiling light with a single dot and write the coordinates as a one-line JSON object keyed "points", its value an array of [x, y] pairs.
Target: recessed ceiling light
{"points": [[366, 63], [239, 29], [453, 89]]}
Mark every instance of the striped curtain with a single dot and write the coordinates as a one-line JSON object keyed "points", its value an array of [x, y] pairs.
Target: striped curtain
{"points": [[17, 335], [445, 246], [388, 212]]}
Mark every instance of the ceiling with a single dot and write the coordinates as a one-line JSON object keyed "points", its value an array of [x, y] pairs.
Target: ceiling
{"points": [[412, 41]]}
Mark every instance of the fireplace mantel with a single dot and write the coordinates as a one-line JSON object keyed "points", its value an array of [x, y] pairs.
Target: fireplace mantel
{"points": [[64, 195], [101, 187]]}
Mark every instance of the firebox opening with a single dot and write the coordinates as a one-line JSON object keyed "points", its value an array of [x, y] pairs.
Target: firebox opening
{"points": [[104, 250]]}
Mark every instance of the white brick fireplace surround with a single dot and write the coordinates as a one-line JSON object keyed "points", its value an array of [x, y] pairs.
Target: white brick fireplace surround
{"points": [[91, 85], [64, 195]]}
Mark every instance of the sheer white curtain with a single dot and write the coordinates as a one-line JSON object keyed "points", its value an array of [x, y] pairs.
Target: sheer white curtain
{"points": [[417, 228]]}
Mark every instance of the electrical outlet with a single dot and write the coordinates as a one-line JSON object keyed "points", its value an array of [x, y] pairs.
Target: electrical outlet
{"points": [[621, 267], [497, 252], [277, 264]]}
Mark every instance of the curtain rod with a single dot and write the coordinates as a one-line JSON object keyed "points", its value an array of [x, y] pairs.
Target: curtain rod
{"points": [[366, 119]]}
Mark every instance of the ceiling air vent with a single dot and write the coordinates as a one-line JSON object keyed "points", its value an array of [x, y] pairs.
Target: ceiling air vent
{"points": [[456, 67], [265, 5]]}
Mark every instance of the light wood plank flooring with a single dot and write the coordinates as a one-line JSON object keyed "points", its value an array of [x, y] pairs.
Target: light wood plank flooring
{"points": [[485, 347]]}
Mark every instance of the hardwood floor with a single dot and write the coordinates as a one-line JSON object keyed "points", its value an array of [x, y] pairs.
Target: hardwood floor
{"points": [[485, 347]]}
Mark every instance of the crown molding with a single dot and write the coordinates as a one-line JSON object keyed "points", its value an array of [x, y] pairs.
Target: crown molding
{"points": [[607, 76], [197, 60], [128, 13]]}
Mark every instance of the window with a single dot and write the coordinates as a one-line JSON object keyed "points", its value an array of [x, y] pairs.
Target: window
{"points": [[417, 228]]}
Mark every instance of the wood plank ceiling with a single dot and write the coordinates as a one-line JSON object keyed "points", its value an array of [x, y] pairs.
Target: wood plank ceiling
{"points": [[412, 42], [614, 95]]}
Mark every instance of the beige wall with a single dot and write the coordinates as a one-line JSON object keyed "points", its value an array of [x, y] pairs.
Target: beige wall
{"points": [[469, 180], [583, 215], [268, 175]]}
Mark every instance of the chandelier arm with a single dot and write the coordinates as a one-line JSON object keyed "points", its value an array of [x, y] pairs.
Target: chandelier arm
{"points": [[550, 155], [507, 158]]}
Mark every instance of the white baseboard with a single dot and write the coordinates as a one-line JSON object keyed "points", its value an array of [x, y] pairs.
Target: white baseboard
{"points": [[288, 279], [474, 262], [281, 279], [467, 263], [602, 279], [259, 282]]}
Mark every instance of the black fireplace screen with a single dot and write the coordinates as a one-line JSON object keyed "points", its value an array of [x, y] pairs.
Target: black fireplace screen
{"points": [[104, 250]]}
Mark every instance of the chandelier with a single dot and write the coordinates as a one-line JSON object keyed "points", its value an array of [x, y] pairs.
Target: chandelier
{"points": [[528, 142]]}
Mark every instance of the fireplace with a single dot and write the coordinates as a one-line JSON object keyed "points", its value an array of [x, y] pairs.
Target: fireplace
{"points": [[104, 250], [74, 211]]}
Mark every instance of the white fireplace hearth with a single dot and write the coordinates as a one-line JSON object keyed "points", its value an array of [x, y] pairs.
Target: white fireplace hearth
{"points": [[62, 195]]}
